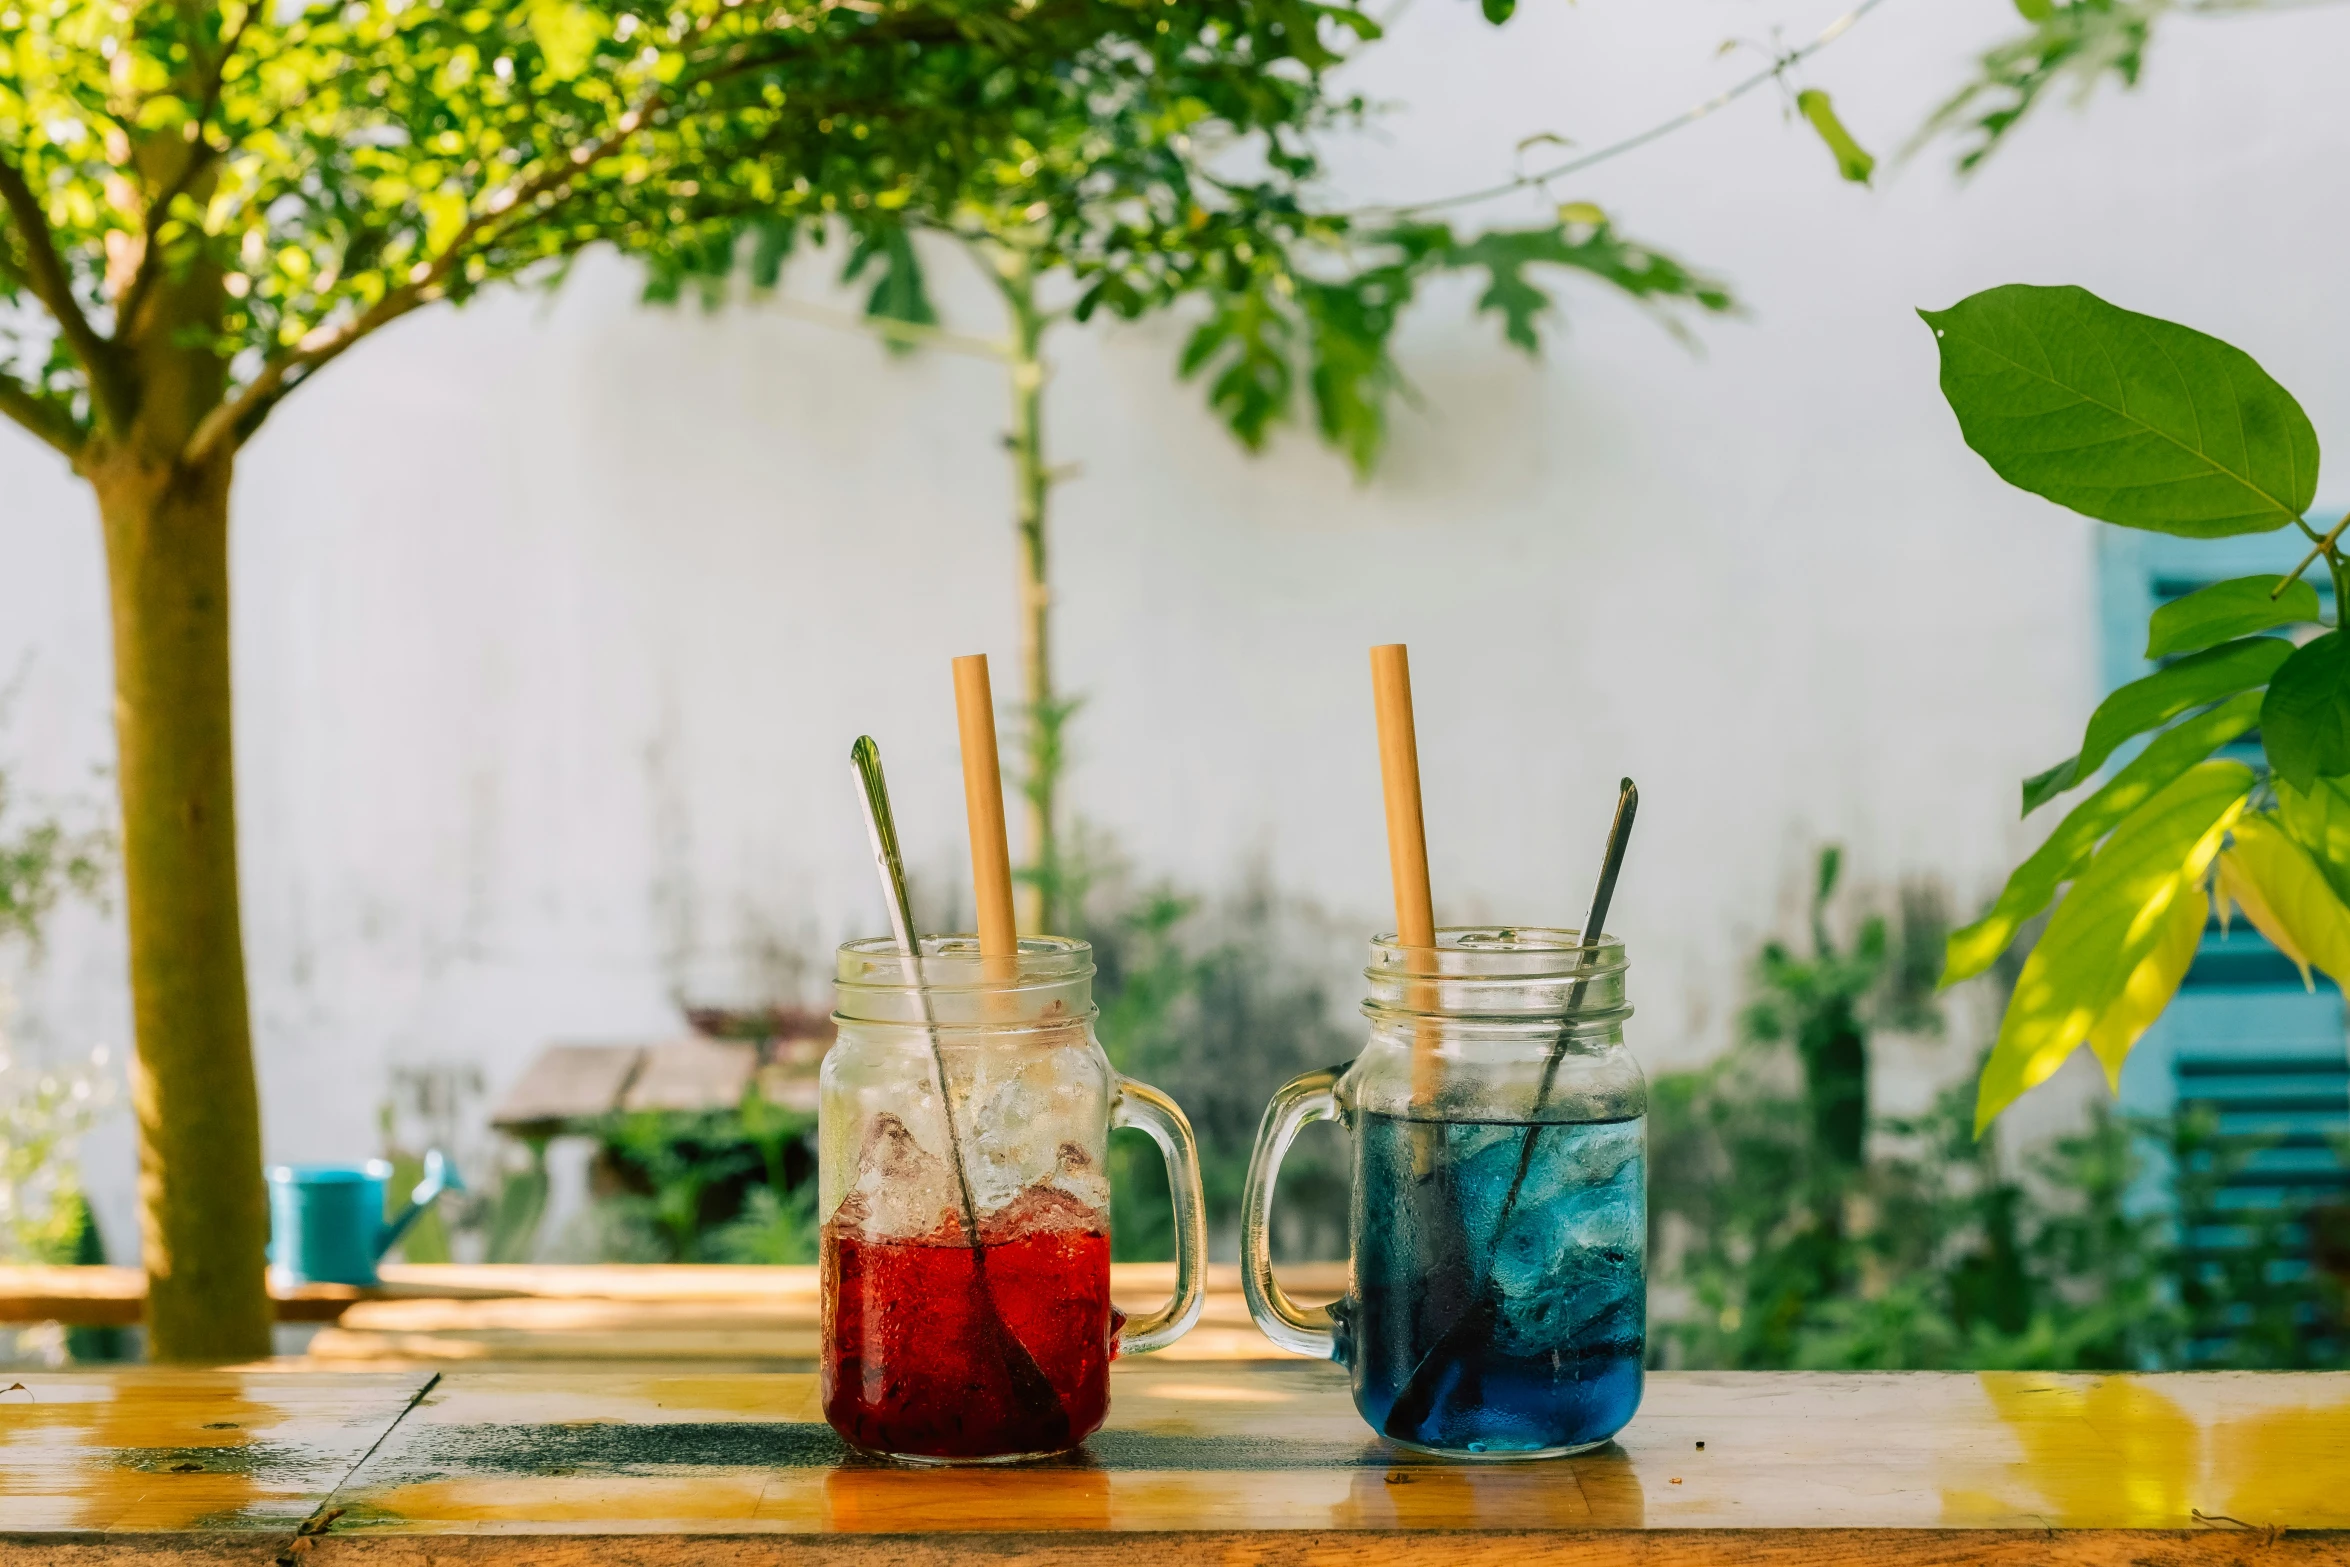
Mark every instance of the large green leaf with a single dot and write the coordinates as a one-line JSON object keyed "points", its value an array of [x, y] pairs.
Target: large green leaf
{"points": [[2235, 608], [2282, 891], [2151, 984], [2242, 665], [2319, 820], [2117, 914], [2124, 417], [2305, 723], [2068, 849]]}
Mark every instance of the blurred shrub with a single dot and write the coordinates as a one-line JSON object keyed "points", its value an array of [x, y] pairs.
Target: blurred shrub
{"points": [[44, 1110], [1801, 1233], [43, 1113], [1217, 1002], [733, 1185], [44, 1215], [45, 860]]}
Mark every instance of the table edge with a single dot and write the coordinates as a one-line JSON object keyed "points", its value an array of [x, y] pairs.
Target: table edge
{"points": [[1895, 1547]]}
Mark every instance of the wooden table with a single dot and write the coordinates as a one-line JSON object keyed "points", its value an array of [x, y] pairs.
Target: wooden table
{"points": [[1201, 1463], [744, 1318]]}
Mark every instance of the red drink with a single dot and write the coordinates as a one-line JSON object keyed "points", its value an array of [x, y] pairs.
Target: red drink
{"points": [[914, 1362]]}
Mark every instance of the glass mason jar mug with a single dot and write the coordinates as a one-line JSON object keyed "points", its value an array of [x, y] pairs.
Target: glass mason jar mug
{"points": [[1498, 1283], [967, 1095]]}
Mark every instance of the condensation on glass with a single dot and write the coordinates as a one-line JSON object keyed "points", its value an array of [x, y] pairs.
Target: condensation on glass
{"points": [[934, 1350], [1498, 1297]]}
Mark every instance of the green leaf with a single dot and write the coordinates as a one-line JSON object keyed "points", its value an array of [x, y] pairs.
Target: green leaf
{"points": [[2041, 788], [2151, 984], [1248, 337], [1352, 375], [2305, 723], [2116, 915], [2235, 608], [2068, 849], [2319, 820], [772, 240], [2078, 45], [900, 292], [2287, 897], [2217, 672], [1506, 256], [567, 35], [1852, 160], [2123, 417]]}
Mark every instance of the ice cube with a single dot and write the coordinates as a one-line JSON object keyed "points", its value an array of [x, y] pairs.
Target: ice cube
{"points": [[1561, 1224], [902, 1190], [1573, 1301], [1042, 1210], [1480, 1180], [1078, 1176], [1569, 1258], [1581, 1158], [1013, 1123]]}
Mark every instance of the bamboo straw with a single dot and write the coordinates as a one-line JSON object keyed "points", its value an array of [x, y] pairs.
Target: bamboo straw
{"points": [[983, 803], [1407, 836], [999, 943]]}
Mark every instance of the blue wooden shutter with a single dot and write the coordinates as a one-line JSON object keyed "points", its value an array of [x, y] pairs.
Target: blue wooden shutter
{"points": [[2245, 1036]]}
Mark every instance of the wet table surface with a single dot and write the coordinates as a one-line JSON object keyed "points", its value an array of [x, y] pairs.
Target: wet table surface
{"points": [[1201, 1462]]}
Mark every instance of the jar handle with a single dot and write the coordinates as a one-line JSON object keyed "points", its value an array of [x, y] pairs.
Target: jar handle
{"points": [[1144, 1108], [1301, 1331]]}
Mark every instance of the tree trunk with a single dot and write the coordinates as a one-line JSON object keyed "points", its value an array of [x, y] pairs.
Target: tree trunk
{"points": [[1044, 886], [203, 1215]]}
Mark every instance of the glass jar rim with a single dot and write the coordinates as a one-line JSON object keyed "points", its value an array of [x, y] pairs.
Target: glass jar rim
{"points": [[953, 962], [1507, 953], [1510, 977]]}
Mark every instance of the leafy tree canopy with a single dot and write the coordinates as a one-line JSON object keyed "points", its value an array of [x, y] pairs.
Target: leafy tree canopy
{"points": [[1125, 184], [212, 200]]}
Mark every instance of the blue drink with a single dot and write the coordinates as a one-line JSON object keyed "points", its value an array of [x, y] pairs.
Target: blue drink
{"points": [[1485, 1325]]}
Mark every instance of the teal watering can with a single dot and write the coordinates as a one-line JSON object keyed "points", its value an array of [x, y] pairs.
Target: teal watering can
{"points": [[327, 1224]]}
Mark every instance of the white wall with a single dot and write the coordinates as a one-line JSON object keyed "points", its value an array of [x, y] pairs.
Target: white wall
{"points": [[555, 617]]}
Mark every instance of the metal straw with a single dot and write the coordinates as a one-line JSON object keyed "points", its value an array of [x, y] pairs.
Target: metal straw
{"points": [[881, 829], [1038, 1397], [1468, 1333], [1611, 865]]}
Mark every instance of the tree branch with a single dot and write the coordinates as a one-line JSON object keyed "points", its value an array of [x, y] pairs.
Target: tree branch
{"points": [[41, 416], [229, 425], [200, 156], [2323, 546], [46, 276], [236, 419]]}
